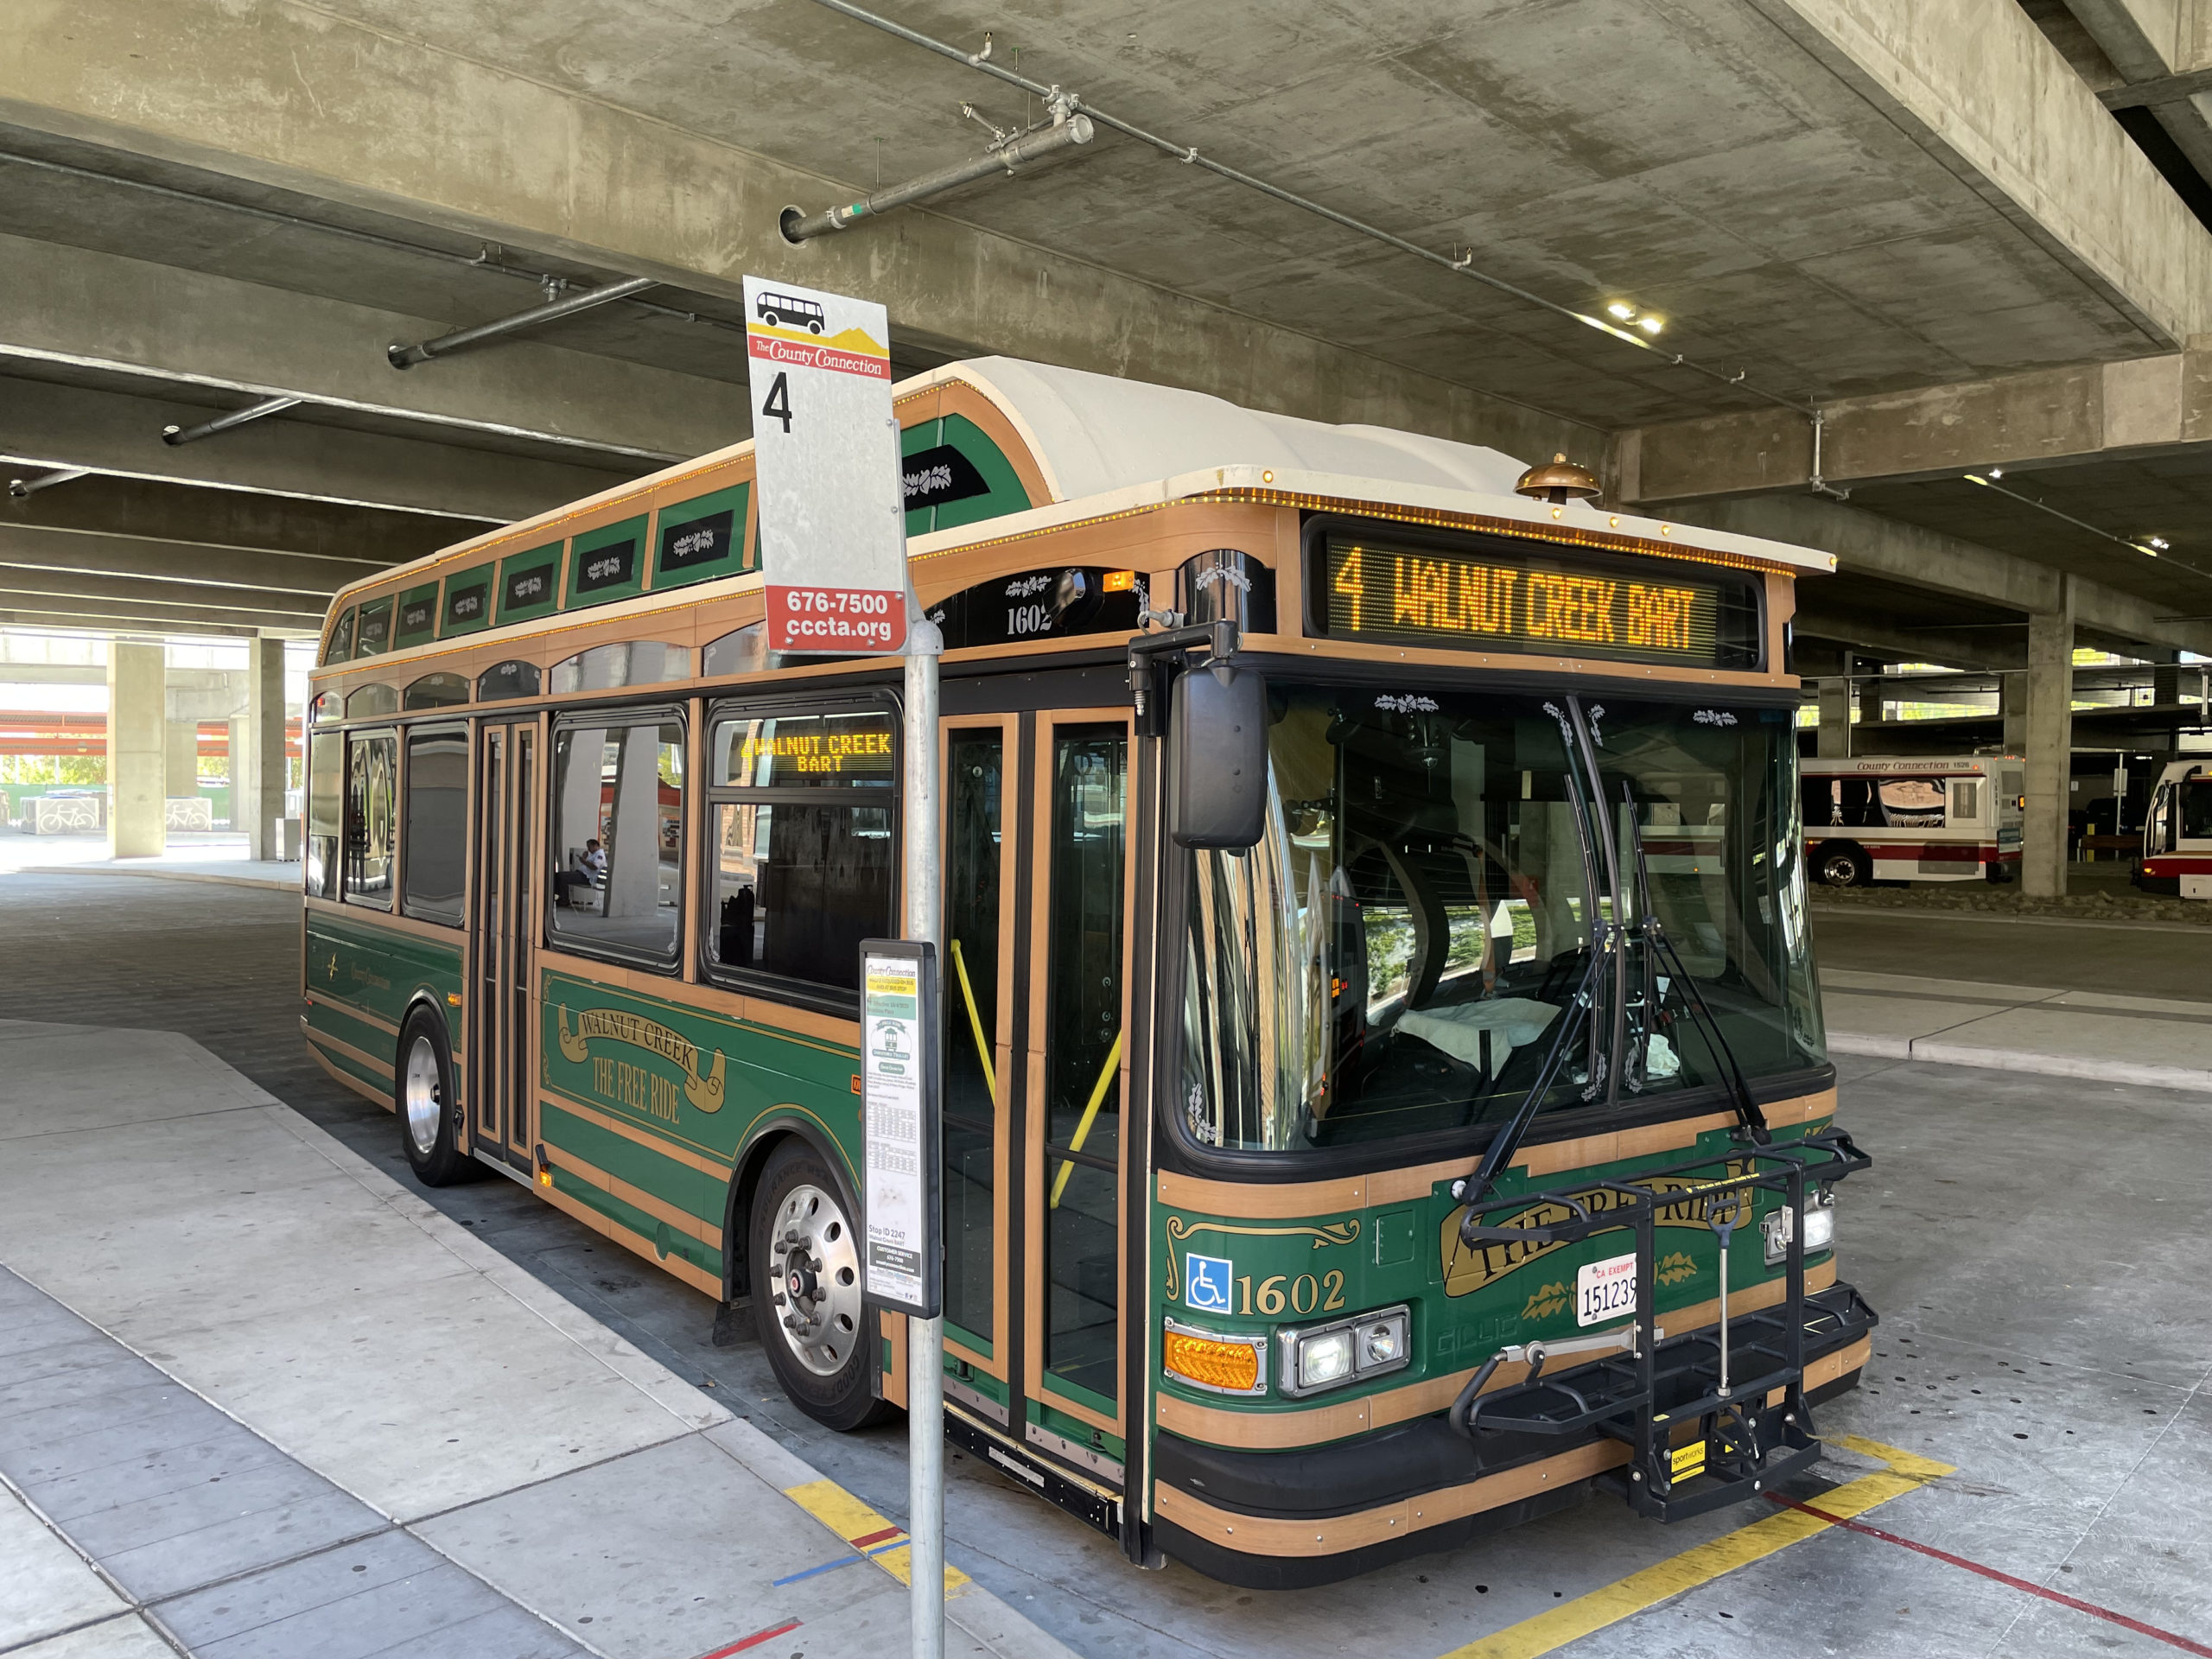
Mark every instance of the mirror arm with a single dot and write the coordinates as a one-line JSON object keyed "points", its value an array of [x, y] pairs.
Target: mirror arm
{"points": [[1218, 638]]}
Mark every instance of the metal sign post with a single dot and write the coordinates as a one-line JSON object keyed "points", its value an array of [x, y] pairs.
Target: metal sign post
{"points": [[833, 550]]}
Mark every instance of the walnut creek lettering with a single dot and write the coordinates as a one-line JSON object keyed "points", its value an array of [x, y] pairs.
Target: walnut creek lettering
{"points": [[1468, 1268], [636, 1086], [1453, 596]]}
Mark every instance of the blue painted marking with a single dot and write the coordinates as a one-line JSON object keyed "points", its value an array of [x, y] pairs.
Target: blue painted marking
{"points": [[842, 1561]]}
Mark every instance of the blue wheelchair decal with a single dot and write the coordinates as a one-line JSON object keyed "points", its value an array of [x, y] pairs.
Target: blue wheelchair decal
{"points": [[1205, 1285]]}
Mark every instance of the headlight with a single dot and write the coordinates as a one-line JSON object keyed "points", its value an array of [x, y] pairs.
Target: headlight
{"points": [[1820, 1228], [1344, 1350]]}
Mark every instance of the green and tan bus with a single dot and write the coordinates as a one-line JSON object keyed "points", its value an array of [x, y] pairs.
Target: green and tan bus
{"points": [[1315, 1194]]}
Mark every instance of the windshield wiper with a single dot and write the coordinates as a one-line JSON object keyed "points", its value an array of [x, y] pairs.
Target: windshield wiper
{"points": [[1650, 931]]}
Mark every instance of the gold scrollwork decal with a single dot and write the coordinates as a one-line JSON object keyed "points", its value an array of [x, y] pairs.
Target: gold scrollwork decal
{"points": [[1334, 1232], [705, 1090]]}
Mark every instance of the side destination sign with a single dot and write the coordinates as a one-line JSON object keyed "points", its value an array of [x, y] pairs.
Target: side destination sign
{"points": [[825, 447], [1487, 593]]}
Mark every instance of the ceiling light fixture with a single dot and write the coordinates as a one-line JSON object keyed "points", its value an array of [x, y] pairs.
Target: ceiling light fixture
{"points": [[2158, 542], [1649, 325], [1622, 309]]}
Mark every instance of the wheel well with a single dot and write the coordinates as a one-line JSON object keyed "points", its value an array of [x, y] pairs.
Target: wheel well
{"points": [[752, 1160]]}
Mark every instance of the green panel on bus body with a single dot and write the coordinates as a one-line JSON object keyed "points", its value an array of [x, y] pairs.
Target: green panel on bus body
{"points": [[529, 583], [952, 467], [1467, 1304], [702, 538], [607, 563], [695, 1078], [467, 606], [364, 977]]}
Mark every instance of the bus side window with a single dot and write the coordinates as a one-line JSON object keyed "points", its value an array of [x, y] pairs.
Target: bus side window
{"points": [[436, 823], [800, 831], [372, 810], [326, 778], [617, 838]]}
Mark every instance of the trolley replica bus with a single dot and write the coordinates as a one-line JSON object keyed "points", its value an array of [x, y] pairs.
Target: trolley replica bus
{"points": [[2178, 833], [1356, 1123], [1924, 818]]}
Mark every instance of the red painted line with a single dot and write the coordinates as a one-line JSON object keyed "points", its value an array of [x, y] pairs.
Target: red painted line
{"points": [[755, 1639], [2058, 1596], [866, 1539]]}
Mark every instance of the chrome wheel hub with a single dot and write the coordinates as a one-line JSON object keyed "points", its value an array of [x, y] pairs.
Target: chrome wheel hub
{"points": [[425, 1106], [817, 1268]]}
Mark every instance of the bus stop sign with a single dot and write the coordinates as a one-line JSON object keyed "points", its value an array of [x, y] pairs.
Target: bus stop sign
{"points": [[825, 449], [900, 1082]]}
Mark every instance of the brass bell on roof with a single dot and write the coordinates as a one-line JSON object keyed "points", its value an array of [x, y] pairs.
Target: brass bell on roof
{"points": [[1559, 480]]}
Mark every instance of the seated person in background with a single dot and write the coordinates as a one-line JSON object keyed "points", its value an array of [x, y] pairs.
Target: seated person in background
{"points": [[586, 869]]}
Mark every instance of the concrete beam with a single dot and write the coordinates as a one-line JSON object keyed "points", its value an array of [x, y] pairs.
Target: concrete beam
{"points": [[1982, 90], [68, 552], [2088, 412], [290, 95], [91, 619], [1890, 638], [171, 512], [81, 307], [1916, 557], [45, 425], [126, 595]]}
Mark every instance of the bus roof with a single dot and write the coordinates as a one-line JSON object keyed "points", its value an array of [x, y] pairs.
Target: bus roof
{"points": [[1098, 445]]}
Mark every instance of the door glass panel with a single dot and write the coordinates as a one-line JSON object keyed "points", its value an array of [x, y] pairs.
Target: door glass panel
{"points": [[490, 815], [518, 1066], [974, 764], [1083, 1054]]}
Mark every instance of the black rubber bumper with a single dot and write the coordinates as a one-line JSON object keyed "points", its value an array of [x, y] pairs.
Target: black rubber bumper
{"points": [[1348, 1476]]}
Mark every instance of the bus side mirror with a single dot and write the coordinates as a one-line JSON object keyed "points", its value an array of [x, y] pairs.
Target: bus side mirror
{"points": [[1217, 756]]}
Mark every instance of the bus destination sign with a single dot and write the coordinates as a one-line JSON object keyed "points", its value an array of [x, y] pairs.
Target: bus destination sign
{"points": [[1493, 596]]}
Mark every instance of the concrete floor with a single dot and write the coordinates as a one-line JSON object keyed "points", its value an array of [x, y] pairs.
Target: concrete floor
{"points": [[2032, 1244]]}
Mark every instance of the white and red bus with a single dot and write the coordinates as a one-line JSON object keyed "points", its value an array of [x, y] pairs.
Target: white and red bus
{"points": [[1914, 819], [2177, 834]]}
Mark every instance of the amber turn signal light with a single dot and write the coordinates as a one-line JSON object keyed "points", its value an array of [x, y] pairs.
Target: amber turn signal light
{"points": [[1229, 1364]]}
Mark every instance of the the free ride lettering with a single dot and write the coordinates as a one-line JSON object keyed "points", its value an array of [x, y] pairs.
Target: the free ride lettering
{"points": [[1517, 599]]}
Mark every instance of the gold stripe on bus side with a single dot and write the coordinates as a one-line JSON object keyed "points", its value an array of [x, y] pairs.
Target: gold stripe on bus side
{"points": [[1284, 1201], [697, 1278], [636, 1197], [1278, 1430], [382, 1067], [363, 916], [352, 1081], [645, 1138], [1269, 1535]]}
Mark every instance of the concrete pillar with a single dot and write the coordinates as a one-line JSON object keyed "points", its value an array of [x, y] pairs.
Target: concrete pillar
{"points": [[2050, 722], [137, 762], [2013, 708], [258, 750], [1834, 741], [181, 750], [1870, 699]]}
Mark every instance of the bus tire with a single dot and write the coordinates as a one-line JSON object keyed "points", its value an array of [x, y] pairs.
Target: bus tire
{"points": [[423, 1096], [1841, 864], [803, 1259]]}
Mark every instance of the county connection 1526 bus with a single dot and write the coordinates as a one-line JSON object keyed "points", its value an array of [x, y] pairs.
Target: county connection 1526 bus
{"points": [[1316, 1192]]}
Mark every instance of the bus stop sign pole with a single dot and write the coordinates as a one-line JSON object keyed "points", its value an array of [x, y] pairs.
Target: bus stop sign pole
{"points": [[833, 557]]}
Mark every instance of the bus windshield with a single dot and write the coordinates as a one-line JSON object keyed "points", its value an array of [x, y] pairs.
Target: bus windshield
{"points": [[1409, 941]]}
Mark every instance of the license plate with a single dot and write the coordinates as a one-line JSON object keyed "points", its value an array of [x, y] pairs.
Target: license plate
{"points": [[1604, 1290]]}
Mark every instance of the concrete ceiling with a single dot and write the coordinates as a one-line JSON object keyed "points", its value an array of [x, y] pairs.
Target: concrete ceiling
{"points": [[199, 208]]}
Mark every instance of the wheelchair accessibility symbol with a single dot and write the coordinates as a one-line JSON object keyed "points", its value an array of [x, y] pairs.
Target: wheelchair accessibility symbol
{"points": [[1205, 1285]]}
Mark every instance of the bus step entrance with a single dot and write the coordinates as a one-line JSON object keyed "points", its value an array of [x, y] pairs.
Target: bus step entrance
{"points": [[1709, 1417]]}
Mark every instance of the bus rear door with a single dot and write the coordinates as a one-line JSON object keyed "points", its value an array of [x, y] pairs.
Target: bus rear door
{"points": [[500, 932]]}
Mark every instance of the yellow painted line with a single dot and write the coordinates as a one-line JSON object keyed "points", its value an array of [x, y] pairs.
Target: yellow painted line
{"points": [[866, 1531], [1548, 1631]]}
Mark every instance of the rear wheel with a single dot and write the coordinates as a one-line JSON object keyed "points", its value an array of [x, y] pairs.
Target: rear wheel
{"points": [[806, 1267], [1842, 865], [430, 1115]]}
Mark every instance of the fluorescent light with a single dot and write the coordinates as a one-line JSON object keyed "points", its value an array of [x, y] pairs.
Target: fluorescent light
{"points": [[1622, 309], [1649, 325], [1997, 472], [2158, 542]]}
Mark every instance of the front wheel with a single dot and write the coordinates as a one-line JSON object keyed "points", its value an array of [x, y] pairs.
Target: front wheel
{"points": [[1842, 865], [430, 1115], [806, 1267]]}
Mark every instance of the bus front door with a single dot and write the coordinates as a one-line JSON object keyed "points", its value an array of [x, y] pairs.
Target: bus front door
{"points": [[500, 935]]}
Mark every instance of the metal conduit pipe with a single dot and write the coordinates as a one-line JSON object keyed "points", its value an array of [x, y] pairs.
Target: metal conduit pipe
{"points": [[405, 357], [1188, 154], [1016, 153], [177, 435], [20, 487]]}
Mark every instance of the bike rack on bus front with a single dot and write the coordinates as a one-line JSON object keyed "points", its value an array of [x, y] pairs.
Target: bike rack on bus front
{"points": [[1710, 1417]]}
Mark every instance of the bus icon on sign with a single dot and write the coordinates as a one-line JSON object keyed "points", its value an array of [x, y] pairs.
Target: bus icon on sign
{"points": [[776, 309]]}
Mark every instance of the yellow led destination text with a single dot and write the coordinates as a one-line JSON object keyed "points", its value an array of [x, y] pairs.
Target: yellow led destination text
{"points": [[819, 751], [1448, 598]]}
